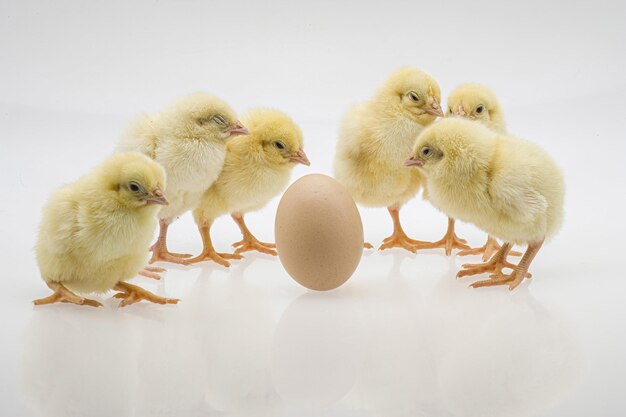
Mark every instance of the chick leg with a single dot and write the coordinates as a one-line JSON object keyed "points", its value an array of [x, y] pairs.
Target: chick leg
{"points": [[63, 295], [131, 294], [487, 250], [520, 271], [249, 242], [398, 239], [159, 249], [209, 253], [449, 241], [494, 265]]}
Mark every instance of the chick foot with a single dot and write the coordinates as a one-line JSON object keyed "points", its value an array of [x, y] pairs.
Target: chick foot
{"points": [[131, 294], [208, 251], [153, 272], [398, 239], [368, 245], [212, 255], [520, 271], [63, 295], [160, 252], [249, 242], [448, 242], [494, 265], [487, 250]]}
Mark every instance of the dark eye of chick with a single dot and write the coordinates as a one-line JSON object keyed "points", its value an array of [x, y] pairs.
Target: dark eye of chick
{"points": [[426, 151], [414, 96], [134, 187], [279, 145], [479, 109]]}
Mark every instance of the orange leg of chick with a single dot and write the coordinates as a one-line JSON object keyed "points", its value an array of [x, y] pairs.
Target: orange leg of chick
{"points": [[63, 295], [494, 265], [159, 249], [249, 242], [487, 250], [368, 245], [449, 241], [209, 253], [520, 271], [131, 294], [398, 239]]}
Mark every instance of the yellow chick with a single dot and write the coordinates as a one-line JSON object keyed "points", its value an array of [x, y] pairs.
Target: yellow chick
{"points": [[506, 186], [477, 102], [374, 139], [257, 168], [189, 141], [95, 232]]}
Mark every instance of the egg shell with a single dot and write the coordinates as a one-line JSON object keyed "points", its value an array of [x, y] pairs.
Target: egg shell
{"points": [[319, 233]]}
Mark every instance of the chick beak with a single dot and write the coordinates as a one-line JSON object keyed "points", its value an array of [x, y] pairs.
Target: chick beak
{"points": [[299, 158], [461, 111], [413, 161], [157, 197], [239, 129], [435, 109]]}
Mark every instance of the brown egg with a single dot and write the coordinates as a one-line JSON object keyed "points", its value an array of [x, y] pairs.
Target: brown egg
{"points": [[319, 234]]}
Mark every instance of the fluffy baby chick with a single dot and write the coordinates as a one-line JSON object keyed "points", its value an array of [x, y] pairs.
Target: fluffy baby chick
{"points": [[374, 140], [257, 168], [189, 141], [478, 102], [95, 232], [508, 187]]}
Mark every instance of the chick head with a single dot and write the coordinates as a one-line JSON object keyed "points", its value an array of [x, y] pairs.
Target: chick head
{"points": [[137, 180], [414, 93], [453, 147], [277, 136], [476, 102], [202, 117]]}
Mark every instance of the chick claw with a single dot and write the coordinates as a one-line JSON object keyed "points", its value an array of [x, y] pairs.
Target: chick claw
{"points": [[490, 248], [448, 243], [176, 258], [63, 295], [399, 240], [153, 272], [494, 266], [367, 245], [513, 280], [220, 258], [131, 294], [251, 243]]}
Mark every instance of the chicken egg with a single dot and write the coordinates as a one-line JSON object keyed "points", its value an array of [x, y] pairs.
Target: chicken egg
{"points": [[319, 233]]}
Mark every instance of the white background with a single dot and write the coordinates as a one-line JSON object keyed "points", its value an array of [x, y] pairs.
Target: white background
{"points": [[403, 337]]}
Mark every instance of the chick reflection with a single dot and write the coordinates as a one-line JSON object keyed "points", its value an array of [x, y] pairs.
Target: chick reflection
{"points": [[317, 350], [503, 355], [78, 363], [234, 320]]}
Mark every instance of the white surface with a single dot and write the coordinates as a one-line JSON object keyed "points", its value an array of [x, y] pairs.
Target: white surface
{"points": [[403, 337]]}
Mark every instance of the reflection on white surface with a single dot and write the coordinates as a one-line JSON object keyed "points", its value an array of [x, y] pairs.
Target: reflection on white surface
{"points": [[245, 345]]}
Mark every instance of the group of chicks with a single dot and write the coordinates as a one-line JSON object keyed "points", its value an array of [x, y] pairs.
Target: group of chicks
{"points": [[196, 155], [468, 166], [96, 232]]}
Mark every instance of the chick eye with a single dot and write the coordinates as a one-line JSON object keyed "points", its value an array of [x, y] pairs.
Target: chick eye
{"points": [[426, 151], [134, 187], [219, 119], [479, 109], [414, 96], [279, 145]]}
